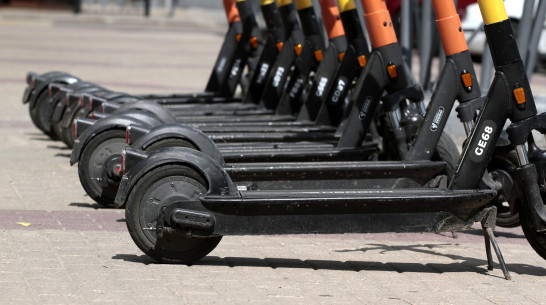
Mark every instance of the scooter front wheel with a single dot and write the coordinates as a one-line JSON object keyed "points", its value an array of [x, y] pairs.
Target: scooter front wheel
{"points": [[537, 240], [153, 192]]}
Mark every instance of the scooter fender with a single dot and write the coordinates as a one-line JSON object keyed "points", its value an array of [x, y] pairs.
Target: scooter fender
{"points": [[41, 83], [218, 180], [159, 111], [31, 79], [81, 125], [109, 107], [200, 140], [108, 123]]}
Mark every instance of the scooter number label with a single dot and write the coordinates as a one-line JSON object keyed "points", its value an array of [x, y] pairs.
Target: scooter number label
{"points": [[321, 86], [236, 68], [483, 141], [221, 65], [294, 92], [278, 77], [340, 86], [263, 72]]}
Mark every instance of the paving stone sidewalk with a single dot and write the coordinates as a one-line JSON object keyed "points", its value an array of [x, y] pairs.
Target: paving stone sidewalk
{"points": [[59, 247]]}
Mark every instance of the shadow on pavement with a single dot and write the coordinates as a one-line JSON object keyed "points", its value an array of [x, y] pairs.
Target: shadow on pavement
{"points": [[59, 147], [497, 234], [44, 138], [63, 155], [467, 264], [466, 261], [143, 259], [95, 206]]}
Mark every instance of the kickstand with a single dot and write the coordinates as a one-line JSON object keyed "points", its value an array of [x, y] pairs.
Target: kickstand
{"points": [[488, 224]]}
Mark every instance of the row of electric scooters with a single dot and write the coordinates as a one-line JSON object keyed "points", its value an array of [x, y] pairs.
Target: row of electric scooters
{"points": [[326, 137]]}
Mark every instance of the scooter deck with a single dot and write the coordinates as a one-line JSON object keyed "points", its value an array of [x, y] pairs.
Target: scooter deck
{"points": [[260, 146], [343, 223], [319, 153], [273, 137], [335, 170], [228, 119], [305, 202], [340, 211], [268, 129], [244, 111]]}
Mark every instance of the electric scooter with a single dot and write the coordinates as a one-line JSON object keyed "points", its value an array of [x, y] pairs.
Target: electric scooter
{"points": [[180, 203]]}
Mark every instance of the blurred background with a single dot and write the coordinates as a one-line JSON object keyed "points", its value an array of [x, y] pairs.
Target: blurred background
{"points": [[112, 32]]}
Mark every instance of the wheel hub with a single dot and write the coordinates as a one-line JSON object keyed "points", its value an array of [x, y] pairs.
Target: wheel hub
{"points": [[504, 197]]}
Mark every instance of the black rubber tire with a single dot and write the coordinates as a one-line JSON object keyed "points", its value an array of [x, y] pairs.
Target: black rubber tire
{"points": [[168, 249], [507, 161], [57, 129], [44, 119], [169, 142], [537, 240], [100, 148], [446, 150], [38, 117], [67, 134]]}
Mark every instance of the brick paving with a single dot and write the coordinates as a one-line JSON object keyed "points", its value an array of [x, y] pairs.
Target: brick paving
{"points": [[59, 247]]}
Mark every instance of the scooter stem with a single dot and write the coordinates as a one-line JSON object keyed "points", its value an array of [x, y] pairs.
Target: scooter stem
{"points": [[232, 13], [493, 11], [449, 26], [331, 18], [378, 23]]}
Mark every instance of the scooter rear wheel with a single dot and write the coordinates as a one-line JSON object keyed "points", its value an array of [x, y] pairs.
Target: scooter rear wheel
{"points": [[162, 186], [38, 114], [90, 167], [169, 142], [67, 134]]}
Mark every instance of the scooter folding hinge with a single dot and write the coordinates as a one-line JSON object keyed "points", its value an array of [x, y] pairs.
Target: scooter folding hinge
{"points": [[413, 93], [467, 110]]}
